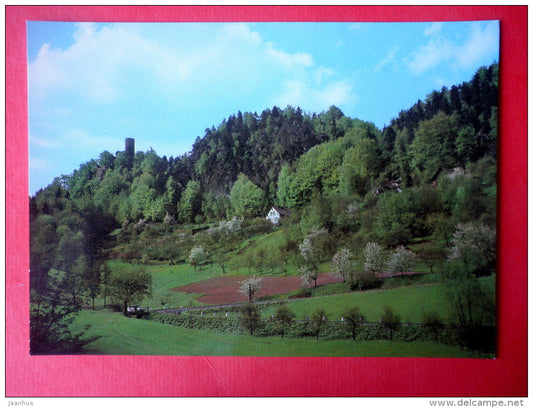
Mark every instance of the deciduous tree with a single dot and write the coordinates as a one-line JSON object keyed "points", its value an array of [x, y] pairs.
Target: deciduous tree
{"points": [[475, 245], [129, 284], [250, 287], [198, 256], [284, 316], [390, 320], [401, 260], [353, 318], [342, 265], [247, 199], [374, 259]]}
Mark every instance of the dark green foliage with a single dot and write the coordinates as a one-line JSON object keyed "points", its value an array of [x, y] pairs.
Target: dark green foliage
{"points": [[472, 302], [353, 318], [433, 146], [129, 284], [50, 332], [54, 306], [433, 322], [284, 316], [249, 317], [190, 204], [390, 321]]}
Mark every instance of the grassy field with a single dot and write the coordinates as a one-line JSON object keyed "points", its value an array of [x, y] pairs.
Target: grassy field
{"points": [[410, 298], [410, 302], [123, 336]]}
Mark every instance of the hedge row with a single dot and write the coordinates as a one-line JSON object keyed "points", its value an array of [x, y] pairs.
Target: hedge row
{"points": [[298, 329]]}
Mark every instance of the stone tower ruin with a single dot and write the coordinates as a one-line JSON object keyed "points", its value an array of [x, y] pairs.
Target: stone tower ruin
{"points": [[130, 147]]}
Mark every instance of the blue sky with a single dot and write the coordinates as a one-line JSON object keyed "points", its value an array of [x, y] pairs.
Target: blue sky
{"points": [[92, 85]]}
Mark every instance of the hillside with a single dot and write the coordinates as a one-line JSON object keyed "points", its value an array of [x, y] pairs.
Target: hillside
{"points": [[420, 193]]}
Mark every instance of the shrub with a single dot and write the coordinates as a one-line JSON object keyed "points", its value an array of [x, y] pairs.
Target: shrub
{"points": [[390, 321], [433, 322]]}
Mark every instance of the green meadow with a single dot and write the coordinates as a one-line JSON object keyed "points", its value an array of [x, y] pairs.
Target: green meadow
{"points": [[122, 336]]}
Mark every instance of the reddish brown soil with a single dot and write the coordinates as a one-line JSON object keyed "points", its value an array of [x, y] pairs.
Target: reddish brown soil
{"points": [[224, 290]]}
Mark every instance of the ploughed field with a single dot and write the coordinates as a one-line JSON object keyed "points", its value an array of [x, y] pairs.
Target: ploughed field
{"points": [[223, 290]]}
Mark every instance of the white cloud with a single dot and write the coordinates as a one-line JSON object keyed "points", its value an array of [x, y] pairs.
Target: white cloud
{"points": [[459, 53], [479, 45], [241, 32], [390, 58], [433, 29], [290, 61], [430, 55], [321, 74], [106, 63]]}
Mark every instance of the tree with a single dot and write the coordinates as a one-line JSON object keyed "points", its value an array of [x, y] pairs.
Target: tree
{"points": [[284, 194], [342, 265], [390, 320], [105, 274], [315, 247], [432, 256], [308, 276], [319, 319], [249, 313], [51, 316], [198, 256], [434, 144], [250, 288], [190, 204], [358, 167], [284, 316], [249, 316], [94, 286], [141, 198], [396, 218], [471, 300], [247, 199], [433, 322], [374, 259], [401, 260], [50, 328], [475, 245], [353, 318], [129, 284]]}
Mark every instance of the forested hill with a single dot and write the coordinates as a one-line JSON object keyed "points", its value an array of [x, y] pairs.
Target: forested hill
{"points": [[283, 157]]}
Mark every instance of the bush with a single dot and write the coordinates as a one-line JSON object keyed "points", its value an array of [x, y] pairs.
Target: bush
{"points": [[390, 321]]}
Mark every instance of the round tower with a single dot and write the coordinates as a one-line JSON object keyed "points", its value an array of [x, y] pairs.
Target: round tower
{"points": [[130, 147]]}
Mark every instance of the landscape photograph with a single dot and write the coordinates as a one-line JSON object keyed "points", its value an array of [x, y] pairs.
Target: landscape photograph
{"points": [[263, 189]]}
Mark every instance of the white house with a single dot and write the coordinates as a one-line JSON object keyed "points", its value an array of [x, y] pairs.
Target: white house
{"points": [[276, 213]]}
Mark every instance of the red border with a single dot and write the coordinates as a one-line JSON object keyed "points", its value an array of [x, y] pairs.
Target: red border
{"points": [[235, 376]]}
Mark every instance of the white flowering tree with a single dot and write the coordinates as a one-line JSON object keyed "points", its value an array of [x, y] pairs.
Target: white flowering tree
{"points": [[198, 256], [310, 250], [374, 258], [401, 260], [342, 266], [475, 245], [250, 288], [308, 276]]}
